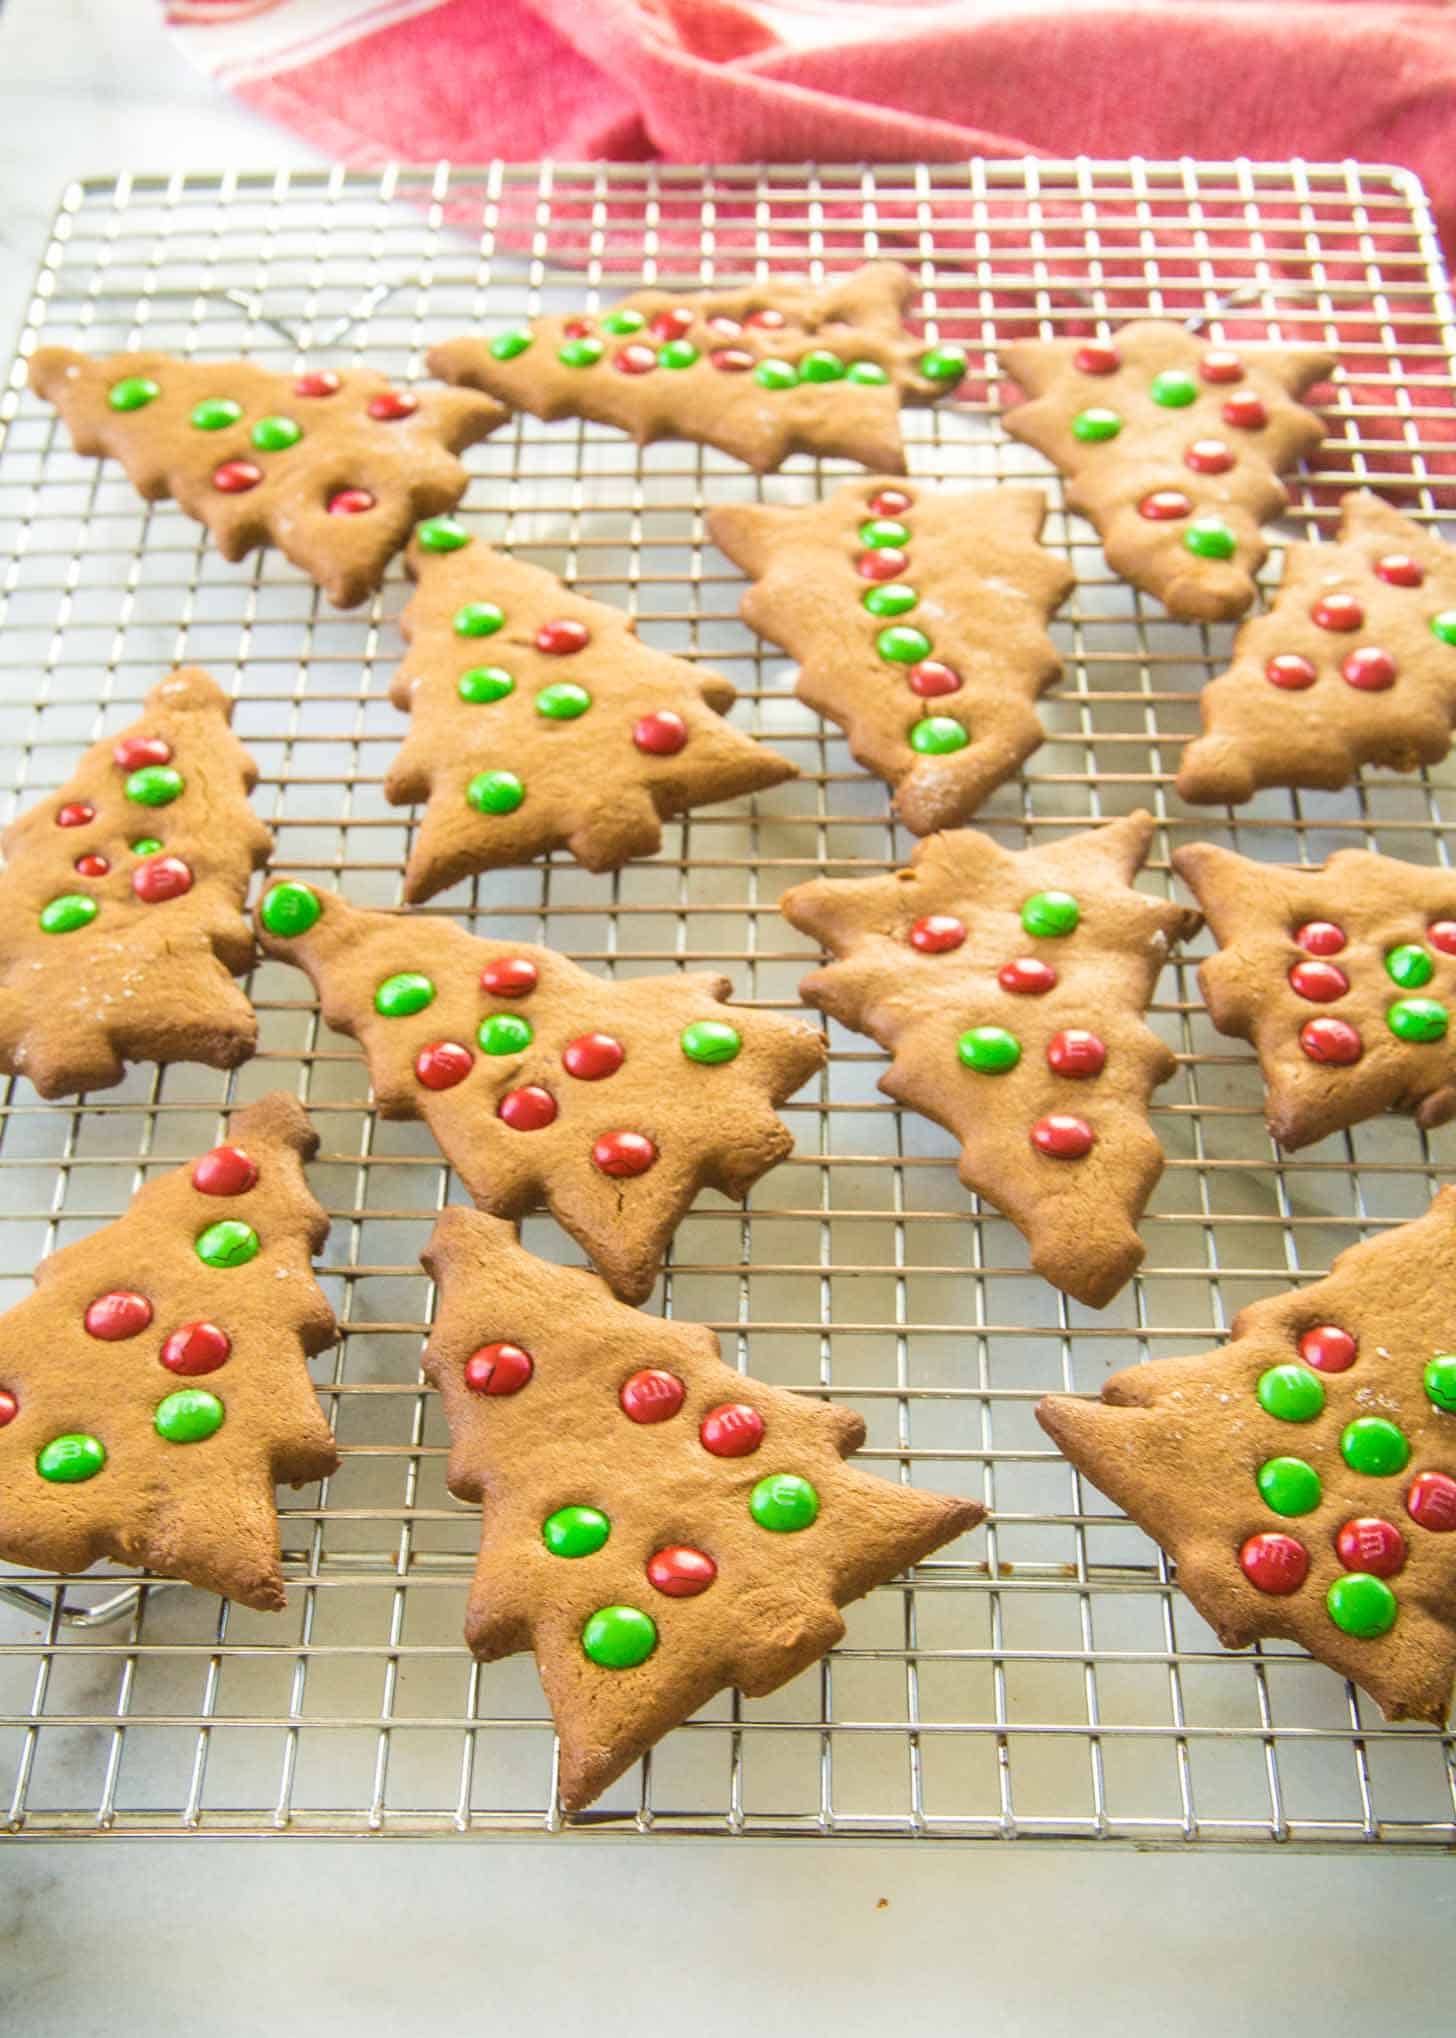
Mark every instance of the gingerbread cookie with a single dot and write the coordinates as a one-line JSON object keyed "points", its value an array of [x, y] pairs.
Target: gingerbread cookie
{"points": [[918, 618], [334, 467], [121, 923], [540, 721], [1010, 988], [656, 1526], [1173, 447], [1354, 664], [760, 372], [1343, 978], [154, 1390], [1304, 1476], [611, 1103]]}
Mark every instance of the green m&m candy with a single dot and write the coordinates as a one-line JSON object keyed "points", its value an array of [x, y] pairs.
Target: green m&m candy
{"points": [[773, 374], [902, 644], [400, 996], [155, 785], [1051, 913], [1374, 1446], [216, 413], [624, 321], [820, 365], [938, 736], [133, 392], [442, 534], [505, 346], [1417, 1019], [188, 1416], [484, 683], [290, 909], [479, 619], [563, 701], [677, 354], [495, 792], [1174, 388], [505, 1033], [1288, 1485], [878, 532], [580, 353], [228, 1243], [713, 1041], [276, 434], [1443, 625], [1410, 966], [1361, 1605], [575, 1531], [1093, 426], [619, 1637], [784, 1503], [1439, 1381], [943, 364], [891, 598], [68, 912], [67, 1460], [866, 373], [1290, 1393], [989, 1050], [1210, 538], [145, 845]]}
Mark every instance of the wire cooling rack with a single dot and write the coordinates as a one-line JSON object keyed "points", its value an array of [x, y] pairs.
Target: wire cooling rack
{"points": [[1043, 1678]]}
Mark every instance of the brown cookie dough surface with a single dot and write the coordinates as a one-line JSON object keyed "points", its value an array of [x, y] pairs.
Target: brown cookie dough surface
{"points": [[760, 372], [121, 921], [333, 467], [1343, 978], [1355, 663], [612, 1103], [1303, 1477], [1010, 988], [1172, 446], [918, 617], [655, 1525], [540, 721], [153, 1389]]}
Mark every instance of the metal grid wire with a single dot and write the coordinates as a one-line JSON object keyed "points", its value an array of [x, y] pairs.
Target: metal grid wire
{"points": [[1044, 1678]]}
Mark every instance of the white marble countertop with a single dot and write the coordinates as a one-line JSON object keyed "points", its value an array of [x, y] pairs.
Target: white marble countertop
{"points": [[624, 1936]]}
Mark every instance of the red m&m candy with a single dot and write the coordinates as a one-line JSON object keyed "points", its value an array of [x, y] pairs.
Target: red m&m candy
{"points": [[1245, 412], [94, 865], [443, 1064], [634, 359], [1027, 976], [1337, 612], [932, 677], [236, 477], [1370, 1544], [1400, 570], [9, 1407], [671, 324], [75, 814], [1320, 982], [1320, 937], [1291, 671], [1097, 357], [134, 753], [350, 502], [591, 1056], [1370, 669], [1221, 364], [1430, 1502], [391, 405], [498, 1369], [653, 1395], [1209, 456], [732, 1430], [770, 318], [1334, 1042], [529, 1109], [720, 322], [937, 934], [885, 564], [681, 1572], [226, 1171], [118, 1314], [661, 734], [624, 1153], [513, 976], [1062, 1137], [161, 878], [560, 638], [731, 360], [888, 502], [1328, 1348], [1275, 1563], [1076, 1052], [1165, 505], [576, 329], [1442, 934], [195, 1349], [318, 382]]}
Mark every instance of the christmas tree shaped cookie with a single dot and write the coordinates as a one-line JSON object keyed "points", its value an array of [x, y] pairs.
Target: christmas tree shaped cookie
{"points": [[334, 467], [1010, 988], [540, 721], [1354, 664], [656, 1526], [153, 1389], [1173, 448], [918, 618], [121, 923], [1304, 1476], [760, 372], [611, 1103], [1343, 978]]}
